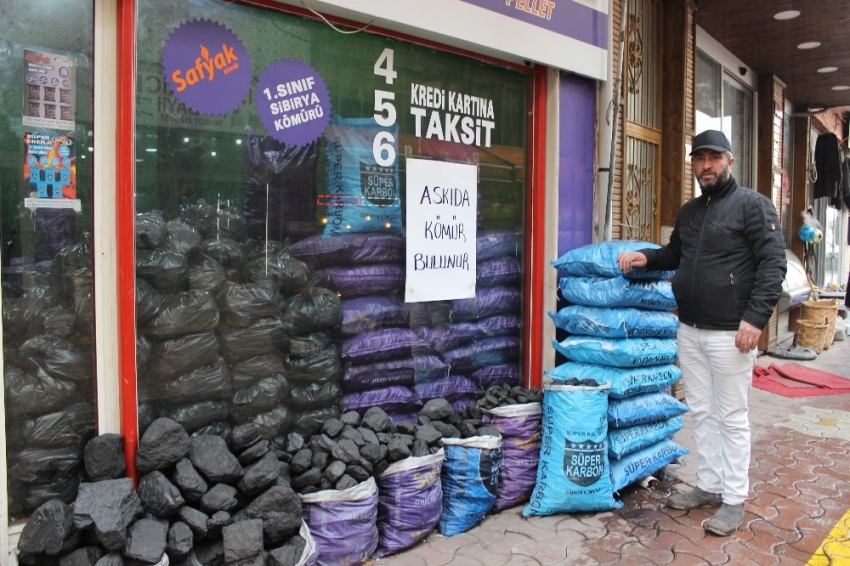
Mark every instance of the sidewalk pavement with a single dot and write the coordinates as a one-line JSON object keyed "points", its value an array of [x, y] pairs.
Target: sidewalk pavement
{"points": [[799, 495]]}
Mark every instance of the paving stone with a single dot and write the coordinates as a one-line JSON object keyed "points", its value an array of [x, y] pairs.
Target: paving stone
{"points": [[478, 554]]}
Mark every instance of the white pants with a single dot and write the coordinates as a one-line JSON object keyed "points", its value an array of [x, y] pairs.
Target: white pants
{"points": [[717, 381]]}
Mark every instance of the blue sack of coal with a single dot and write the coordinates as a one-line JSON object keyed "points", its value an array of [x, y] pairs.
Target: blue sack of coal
{"points": [[573, 474], [470, 477]]}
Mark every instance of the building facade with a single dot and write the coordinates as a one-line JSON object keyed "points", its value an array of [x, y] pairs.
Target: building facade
{"points": [[228, 212]]}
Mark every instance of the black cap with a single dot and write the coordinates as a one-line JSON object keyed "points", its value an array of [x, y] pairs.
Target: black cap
{"points": [[713, 140]]}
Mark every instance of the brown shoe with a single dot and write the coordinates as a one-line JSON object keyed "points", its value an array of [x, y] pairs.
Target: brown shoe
{"points": [[694, 499]]}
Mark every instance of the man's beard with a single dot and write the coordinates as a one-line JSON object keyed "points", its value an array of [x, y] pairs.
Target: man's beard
{"points": [[719, 181]]}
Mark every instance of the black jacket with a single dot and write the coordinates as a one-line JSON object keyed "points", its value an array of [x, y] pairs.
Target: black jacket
{"points": [[729, 256], [828, 164]]}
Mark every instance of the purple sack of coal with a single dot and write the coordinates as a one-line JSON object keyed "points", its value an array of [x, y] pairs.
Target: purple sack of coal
{"points": [[379, 374], [392, 399], [377, 279], [410, 501], [448, 336], [343, 522], [399, 371], [487, 352], [499, 271], [349, 249], [490, 244], [498, 374], [463, 403], [487, 302], [520, 426], [500, 325], [384, 344], [364, 314], [451, 388]]}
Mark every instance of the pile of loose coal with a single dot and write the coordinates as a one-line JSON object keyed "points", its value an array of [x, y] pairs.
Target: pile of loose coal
{"points": [[200, 500], [352, 448], [207, 500], [503, 395]]}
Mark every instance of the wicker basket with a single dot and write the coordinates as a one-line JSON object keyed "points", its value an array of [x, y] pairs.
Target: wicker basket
{"points": [[811, 334], [816, 311]]}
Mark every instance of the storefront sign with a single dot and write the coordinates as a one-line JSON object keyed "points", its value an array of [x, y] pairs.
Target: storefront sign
{"points": [[565, 34], [451, 116], [207, 67], [49, 85], [441, 230], [50, 171], [564, 17], [293, 102]]}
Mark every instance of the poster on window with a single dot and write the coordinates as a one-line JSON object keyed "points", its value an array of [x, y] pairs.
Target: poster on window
{"points": [[49, 90], [50, 171], [441, 230]]}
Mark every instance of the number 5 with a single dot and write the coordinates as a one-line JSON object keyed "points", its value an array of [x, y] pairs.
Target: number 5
{"points": [[384, 108]]}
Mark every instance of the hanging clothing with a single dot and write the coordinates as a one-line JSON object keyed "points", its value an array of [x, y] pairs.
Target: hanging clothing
{"points": [[845, 182], [828, 164], [280, 189]]}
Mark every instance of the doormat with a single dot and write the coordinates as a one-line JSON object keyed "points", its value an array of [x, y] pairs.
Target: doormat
{"points": [[796, 380]]}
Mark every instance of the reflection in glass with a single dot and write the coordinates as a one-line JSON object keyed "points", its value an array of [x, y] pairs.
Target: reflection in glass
{"points": [[48, 347], [270, 277]]}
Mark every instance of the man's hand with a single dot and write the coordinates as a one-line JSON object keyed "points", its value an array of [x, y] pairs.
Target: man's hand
{"points": [[628, 260], [747, 338]]}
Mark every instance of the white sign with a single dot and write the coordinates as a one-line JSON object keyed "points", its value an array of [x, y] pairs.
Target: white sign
{"points": [[572, 35], [441, 230], [35, 203]]}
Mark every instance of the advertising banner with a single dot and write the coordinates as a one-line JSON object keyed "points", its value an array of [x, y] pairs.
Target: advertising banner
{"points": [[49, 86]]}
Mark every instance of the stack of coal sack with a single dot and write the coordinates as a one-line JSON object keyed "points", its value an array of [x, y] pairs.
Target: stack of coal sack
{"points": [[200, 500]]}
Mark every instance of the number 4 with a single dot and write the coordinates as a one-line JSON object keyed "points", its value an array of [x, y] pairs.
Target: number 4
{"points": [[384, 66]]}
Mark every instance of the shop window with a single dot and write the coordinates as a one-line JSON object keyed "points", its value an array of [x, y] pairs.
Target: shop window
{"points": [[46, 192], [284, 272], [723, 103]]}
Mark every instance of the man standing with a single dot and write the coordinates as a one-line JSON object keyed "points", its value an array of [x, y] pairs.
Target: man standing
{"points": [[729, 257]]}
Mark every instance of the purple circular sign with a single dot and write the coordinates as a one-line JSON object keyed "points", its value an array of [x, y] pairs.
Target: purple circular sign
{"points": [[293, 102], [207, 67]]}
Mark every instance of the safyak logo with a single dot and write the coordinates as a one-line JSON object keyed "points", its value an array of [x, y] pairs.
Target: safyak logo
{"points": [[207, 68], [584, 461]]}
